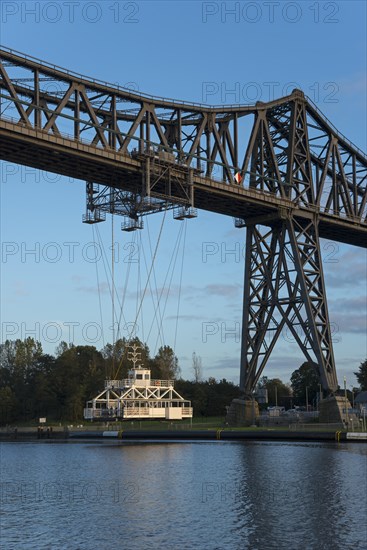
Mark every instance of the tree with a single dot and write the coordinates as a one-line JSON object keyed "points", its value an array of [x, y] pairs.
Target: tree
{"points": [[307, 376], [61, 348], [362, 376], [197, 367], [19, 360], [197, 393], [115, 358], [209, 398], [19, 356], [167, 363], [41, 395], [278, 393], [8, 405], [79, 375], [219, 396]]}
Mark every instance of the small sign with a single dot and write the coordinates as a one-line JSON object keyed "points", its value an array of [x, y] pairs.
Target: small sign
{"points": [[261, 395], [42, 420], [238, 177]]}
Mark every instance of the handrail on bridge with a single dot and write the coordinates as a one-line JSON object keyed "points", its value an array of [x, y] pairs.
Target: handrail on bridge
{"points": [[333, 127], [105, 83]]}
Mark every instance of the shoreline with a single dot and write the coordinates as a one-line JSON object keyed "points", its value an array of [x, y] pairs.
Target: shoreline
{"points": [[19, 435]]}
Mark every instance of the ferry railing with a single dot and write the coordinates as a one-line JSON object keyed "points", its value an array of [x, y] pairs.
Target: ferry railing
{"points": [[164, 383], [128, 382], [114, 384], [130, 412]]}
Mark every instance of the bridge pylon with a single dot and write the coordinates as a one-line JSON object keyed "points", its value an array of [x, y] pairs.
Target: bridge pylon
{"points": [[284, 296], [284, 288]]}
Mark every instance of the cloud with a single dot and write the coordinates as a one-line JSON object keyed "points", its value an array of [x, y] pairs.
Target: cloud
{"points": [[222, 290], [227, 363], [356, 84], [348, 315], [344, 270], [227, 367], [278, 366], [103, 288], [350, 362], [358, 303], [187, 318], [20, 289], [214, 289], [348, 323]]}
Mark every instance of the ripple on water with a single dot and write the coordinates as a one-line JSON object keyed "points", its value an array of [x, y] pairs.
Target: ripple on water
{"points": [[215, 495]]}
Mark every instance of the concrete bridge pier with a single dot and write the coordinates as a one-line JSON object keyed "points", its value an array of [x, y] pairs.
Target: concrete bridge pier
{"points": [[242, 412], [334, 409]]}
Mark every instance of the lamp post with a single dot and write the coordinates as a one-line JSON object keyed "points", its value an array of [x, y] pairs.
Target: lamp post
{"points": [[345, 399], [352, 398], [320, 397], [253, 410]]}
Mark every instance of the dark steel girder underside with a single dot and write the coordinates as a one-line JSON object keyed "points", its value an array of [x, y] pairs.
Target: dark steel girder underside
{"points": [[87, 163]]}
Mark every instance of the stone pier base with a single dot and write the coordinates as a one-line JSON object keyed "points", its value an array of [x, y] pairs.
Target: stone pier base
{"points": [[242, 412], [335, 410]]}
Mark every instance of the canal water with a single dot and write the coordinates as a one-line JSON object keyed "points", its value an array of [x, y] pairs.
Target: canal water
{"points": [[210, 495]]}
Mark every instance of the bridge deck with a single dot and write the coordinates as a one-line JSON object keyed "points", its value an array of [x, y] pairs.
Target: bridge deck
{"points": [[81, 160]]}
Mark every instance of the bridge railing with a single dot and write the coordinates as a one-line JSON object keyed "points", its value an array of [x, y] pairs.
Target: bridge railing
{"points": [[334, 129], [99, 82]]}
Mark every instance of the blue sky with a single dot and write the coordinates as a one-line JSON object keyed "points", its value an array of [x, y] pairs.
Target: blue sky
{"points": [[213, 52]]}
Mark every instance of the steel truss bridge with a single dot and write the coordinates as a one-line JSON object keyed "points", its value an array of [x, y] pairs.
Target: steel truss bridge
{"points": [[280, 169]]}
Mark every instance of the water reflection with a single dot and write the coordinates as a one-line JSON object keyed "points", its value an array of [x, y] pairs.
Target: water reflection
{"points": [[296, 492], [214, 495]]}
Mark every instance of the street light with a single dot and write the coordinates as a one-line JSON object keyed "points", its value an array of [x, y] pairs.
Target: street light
{"points": [[253, 410], [345, 399], [352, 397], [320, 397]]}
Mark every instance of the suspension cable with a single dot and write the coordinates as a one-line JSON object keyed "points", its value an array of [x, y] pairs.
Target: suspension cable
{"points": [[145, 288], [183, 228], [170, 272], [150, 287], [180, 285], [99, 290], [124, 294], [157, 307]]}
